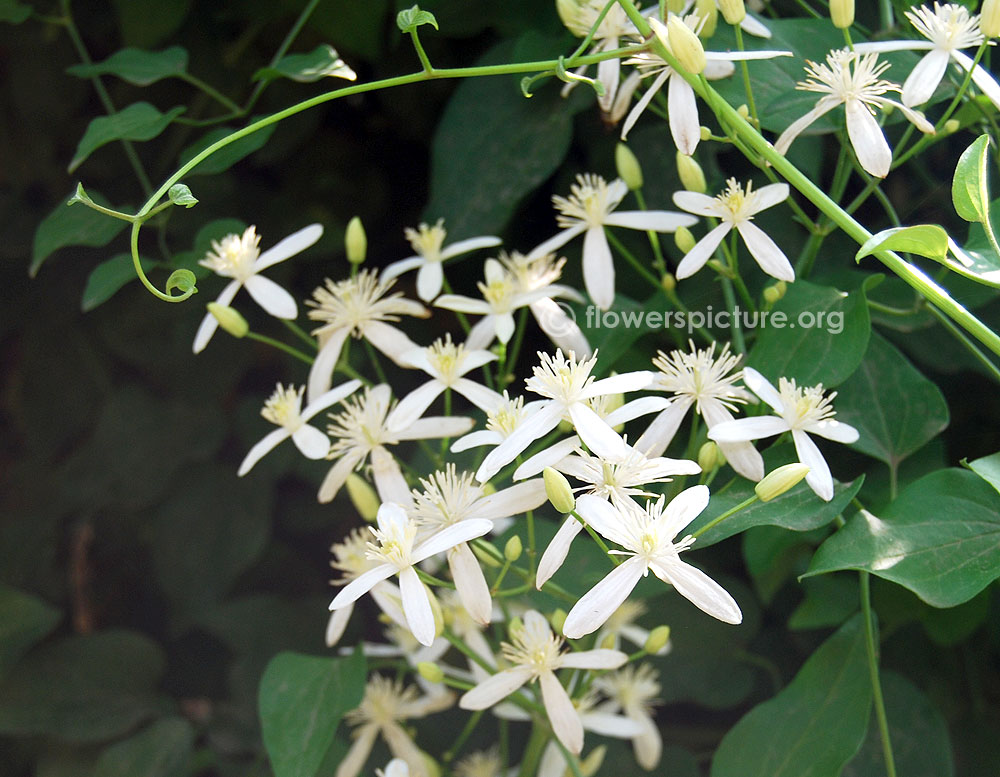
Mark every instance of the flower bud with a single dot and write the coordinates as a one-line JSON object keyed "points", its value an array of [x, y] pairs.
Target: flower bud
{"points": [[558, 619], [668, 281], [704, 132], [628, 167], [558, 491], [430, 672], [685, 45], [778, 481], [733, 11], [608, 643], [591, 765], [229, 319], [431, 767], [657, 640], [690, 172], [743, 111], [951, 126], [676, 6], [355, 241], [514, 627], [709, 456], [484, 557], [512, 550], [989, 18], [775, 292], [709, 11], [568, 11], [684, 240], [842, 13]]}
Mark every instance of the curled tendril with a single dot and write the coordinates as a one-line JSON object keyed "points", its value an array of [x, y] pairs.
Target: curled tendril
{"points": [[569, 77], [183, 280]]}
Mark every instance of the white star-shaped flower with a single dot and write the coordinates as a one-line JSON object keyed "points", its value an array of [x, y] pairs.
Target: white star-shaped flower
{"points": [[800, 410], [736, 207], [633, 690], [240, 258]]}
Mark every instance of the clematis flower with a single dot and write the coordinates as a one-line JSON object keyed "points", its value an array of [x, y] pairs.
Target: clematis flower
{"points": [[365, 427], [749, 24], [428, 242], [240, 258], [360, 306], [853, 79], [647, 536], [397, 767], [708, 383], [736, 207], [800, 410], [623, 625], [398, 551], [284, 408], [633, 690], [501, 422], [566, 385], [587, 211], [535, 653], [948, 28], [481, 763]]}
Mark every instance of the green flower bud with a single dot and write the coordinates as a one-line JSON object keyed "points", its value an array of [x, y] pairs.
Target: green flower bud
{"points": [[430, 672], [989, 18], [733, 11], [591, 765], [743, 111], [512, 550], [628, 167], [558, 620], [608, 643], [668, 281], [558, 490], [229, 319], [684, 240], [484, 557], [515, 627], [363, 496], [951, 126], [842, 13], [704, 132], [709, 11], [690, 172], [709, 456], [778, 481], [775, 292], [355, 241], [685, 45], [658, 639]]}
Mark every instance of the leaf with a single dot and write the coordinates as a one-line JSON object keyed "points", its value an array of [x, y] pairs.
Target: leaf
{"points": [[136, 66], [302, 699], [321, 62], [815, 334], [813, 726], [183, 280], [140, 121], [227, 156], [72, 226], [927, 240], [108, 277], [988, 468], [411, 18], [14, 12], [148, 23], [24, 620], [895, 409], [180, 194], [163, 749], [970, 185], [940, 538], [829, 601], [83, 688]]}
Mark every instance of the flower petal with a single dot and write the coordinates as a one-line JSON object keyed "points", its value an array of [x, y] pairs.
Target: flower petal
{"points": [[925, 77], [533, 427], [413, 405], [469, 244], [270, 296], [743, 457], [655, 220], [636, 408], [548, 457], [485, 399], [683, 509], [293, 244], [473, 591], [389, 481], [600, 602], [513, 500], [819, 478], [560, 328], [434, 427], [430, 278], [866, 136], [312, 443], [389, 339], [565, 720], [695, 259], [494, 688], [450, 536], [834, 430], [263, 447], [475, 440], [658, 435], [331, 397], [763, 388], [768, 196], [701, 590], [557, 550], [682, 114], [321, 372], [744, 429], [417, 606], [771, 259], [462, 304], [361, 585], [337, 475], [210, 323], [823, 106], [602, 518], [403, 265], [643, 102], [557, 241], [361, 748], [619, 384], [698, 203], [598, 267], [602, 440], [337, 624]]}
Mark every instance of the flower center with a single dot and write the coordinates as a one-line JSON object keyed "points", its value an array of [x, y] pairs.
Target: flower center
{"points": [[804, 405], [948, 26], [506, 417], [560, 378], [446, 358], [284, 407], [428, 240], [234, 256], [589, 201]]}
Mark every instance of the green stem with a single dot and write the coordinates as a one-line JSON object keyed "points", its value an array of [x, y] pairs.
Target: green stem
{"points": [[211, 91], [304, 357], [456, 748], [870, 648], [730, 512], [286, 44], [746, 77], [654, 238], [425, 63], [975, 350], [296, 330], [533, 751], [596, 537]]}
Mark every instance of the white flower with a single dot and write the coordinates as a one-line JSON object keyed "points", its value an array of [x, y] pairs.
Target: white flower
{"points": [[682, 108], [589, 209], [948, 29], [800, 410], [736, 207], [446, 362], [397, 551], [647, 536], [357, 306], [566, 384], [385, 705], [535, 654], [853, 80], [428, 242], [449, 498], [365, 427], [501, 422], [481, 763], [240, 258], [284, 408], [622, 625], [708, 383], [634, 690], [397, 767]]}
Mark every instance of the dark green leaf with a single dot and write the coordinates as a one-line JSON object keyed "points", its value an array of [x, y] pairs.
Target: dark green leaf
{"points": [[149, 23], [228, 155], [138, 67], [140, 121], [814, 726], [940, 539], [302, 699], [413, 17], [895, 409], [108, 277], [73, 226], [180, 194], [24, 620], [162, 750], [956, 624], [829, 601], [14, 12], [988, 468], [822, 339], [927, 240], [970, 186], [321, 62]]}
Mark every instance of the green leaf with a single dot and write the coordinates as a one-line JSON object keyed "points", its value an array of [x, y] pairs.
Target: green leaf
{"points": [[228, 155], [302, 699], [970, 186], [136, 66], [979, 264], [927, 240], [73, 226], [83, 688], [14, 12], [108, 277], [413, 17], [180, 194], [940, 538], [140, 121], [813, 726], [822, 336], [24, 620], [163, 749], [829, 601], [895, 409], [323, 61], [988, 468], [182, 280]]}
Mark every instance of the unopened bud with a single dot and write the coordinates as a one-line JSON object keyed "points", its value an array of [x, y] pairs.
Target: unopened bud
{"points": [[363, 496], [628, 167], [709, 11], [558, 620], [704, 132], [708, 456], [690, 172], [568, 11], [778, 481], [657, 640], [484, 556], [775, 292], [558, 491], [512, 550], [668, 281], [355, 241], [684, 240], [430, 672], [989, 18], [676, 6], [514, 628], [608, 643], [685, 45], [743, 111], [951, 126], [591, 765], [431, 767], [229, 319], [733, 11], [842, 13]]}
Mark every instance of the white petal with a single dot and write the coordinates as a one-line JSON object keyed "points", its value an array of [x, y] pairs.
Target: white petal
{"points": [[430, 277], [982, 78], [636, 408], [389, 339], [417, 606], [698, 203], [470, 583], [866, 136], [661, 431], [331, 397], [484, 398], [403, 265], [744, 429], [771, 259], [834, 430], [552, 764], [925, 77], [470, 244], [609, 725], [598, 268], [494, 688], [461, 304], [602, 518], [361, 585], [701, 590], [210, 323], [754, 26], [768, 196], [401, 745], [337, 623], [819, 478], [643, 102], [360, 749], [648, 745], [537, 425], [602, 440], [258, 451], [608, 73], [565, 720], [389, 481], [683, 509], [601, 601], [557, 550], [504, 326], [321, 372], [549, 457], [514, 500], [557, 241], [763, 388], [882, 46], [741, 456], [313, 443], [435, 427], [560, 328], [337, 475], [655, 220], [475, 440], [682, 113], [450, 536], [483, 333], [695, 259], [475, 358], [823, 105], [413, 405], [293, 244], [270, 296], [619, 384]]}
